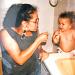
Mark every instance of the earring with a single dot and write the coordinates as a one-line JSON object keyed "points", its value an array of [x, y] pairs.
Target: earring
{"points": [[23, 34], [24, 31]]}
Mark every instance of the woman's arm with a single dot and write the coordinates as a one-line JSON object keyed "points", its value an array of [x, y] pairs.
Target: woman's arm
{"points": [[11, 46]]}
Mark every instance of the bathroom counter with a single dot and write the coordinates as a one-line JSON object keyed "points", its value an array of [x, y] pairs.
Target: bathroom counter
{"points": [[53, 65]]}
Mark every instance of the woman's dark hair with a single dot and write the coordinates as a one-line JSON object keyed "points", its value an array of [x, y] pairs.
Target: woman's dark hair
{"points": [[17, 13], [24, 13], [68, 14], [10, 17]]}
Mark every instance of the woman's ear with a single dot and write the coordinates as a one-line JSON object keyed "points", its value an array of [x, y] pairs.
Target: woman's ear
{"points": [[25, 25], [23, 22]]}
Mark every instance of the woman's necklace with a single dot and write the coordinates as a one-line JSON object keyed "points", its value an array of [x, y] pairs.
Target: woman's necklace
{"points": [[26, 34], [23, 35]]}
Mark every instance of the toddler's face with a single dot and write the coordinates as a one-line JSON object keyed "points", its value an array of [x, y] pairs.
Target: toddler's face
{"points": [[64, 24]]}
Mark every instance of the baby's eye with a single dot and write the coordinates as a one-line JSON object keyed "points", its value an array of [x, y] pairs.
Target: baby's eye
{"points": [[62, 24]]}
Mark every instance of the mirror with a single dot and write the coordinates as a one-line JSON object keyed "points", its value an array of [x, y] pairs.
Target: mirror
{"points": [[53, 3]]}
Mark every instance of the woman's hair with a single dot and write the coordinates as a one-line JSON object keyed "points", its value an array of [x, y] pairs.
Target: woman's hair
{"points": [[17, 13], [68, 14], [24, 13]]}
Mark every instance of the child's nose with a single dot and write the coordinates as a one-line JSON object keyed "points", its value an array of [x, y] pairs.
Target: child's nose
{"points": [[61, 26]]}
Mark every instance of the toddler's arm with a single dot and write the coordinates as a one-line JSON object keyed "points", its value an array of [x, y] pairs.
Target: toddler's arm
{"points": [[56, 37]]}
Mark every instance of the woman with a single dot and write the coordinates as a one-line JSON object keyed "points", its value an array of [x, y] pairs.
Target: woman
{"points": [[19, 43]]}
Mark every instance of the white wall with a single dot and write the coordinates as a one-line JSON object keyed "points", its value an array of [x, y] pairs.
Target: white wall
{"points": [[46, 14]]}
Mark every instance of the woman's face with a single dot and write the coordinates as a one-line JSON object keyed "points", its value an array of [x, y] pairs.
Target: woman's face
{"points": [[33, 23]]}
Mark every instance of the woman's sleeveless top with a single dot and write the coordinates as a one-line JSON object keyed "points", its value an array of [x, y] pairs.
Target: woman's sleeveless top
{"points": [[31, 66]]}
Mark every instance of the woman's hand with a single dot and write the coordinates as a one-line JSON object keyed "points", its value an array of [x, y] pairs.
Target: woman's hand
{"points": [[43, 55], [43, 37]]}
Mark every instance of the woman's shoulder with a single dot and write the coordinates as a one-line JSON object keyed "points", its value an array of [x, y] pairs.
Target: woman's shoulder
{"points": [[5, 37], [3, 31]]}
